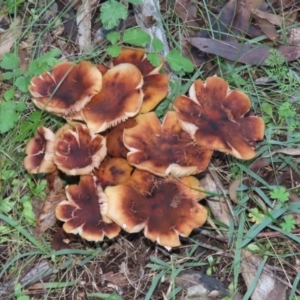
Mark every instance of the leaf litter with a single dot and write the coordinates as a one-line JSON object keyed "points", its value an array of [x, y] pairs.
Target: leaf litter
{"points": [[235, 23]]}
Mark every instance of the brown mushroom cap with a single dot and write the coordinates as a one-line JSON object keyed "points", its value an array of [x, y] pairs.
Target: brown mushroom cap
{"points": [[40, 152], [82, 211], [156, 86], [114, 139], [67, 88], [120, 98], [164, 207], [78, 151], [137, 57], [113, 171], [165, 148], [214, 117]]}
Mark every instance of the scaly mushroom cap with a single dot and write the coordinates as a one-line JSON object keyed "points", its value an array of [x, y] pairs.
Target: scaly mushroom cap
{"points": [[156, 86], [82, 211], [164, 207], [165, 148], [40, 152], [114, 139], [214, 117], [120, 98], [113, 171], [67, 88], [78, 151]]}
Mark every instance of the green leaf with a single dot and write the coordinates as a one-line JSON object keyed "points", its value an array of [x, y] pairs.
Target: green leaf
{"points": [[113, 37], [111, 12], [289, 223], [8, 116], [135, 2], [21, 106], [157, 45], [113, 50], [22, 83], [178, 62], [15, 73], [280, 194], [267, 108], [154, 59], [6, 205], [9, 94], [9, 61], [136, 37], [28, 213]]}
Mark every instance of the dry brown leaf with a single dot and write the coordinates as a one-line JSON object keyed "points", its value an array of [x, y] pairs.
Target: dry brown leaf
{"points": [[288, 151], [267, 28], [115, 278], [232, 189], [47, 218], [8, 38], [186, 10], [243, 53], [271, 18], [259, 163]]}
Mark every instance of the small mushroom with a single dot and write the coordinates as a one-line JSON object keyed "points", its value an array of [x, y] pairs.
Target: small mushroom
{"points": [[67, 88], [82, 211], [114, 139], [113, 171], [156, 85], [78, 150], [164, 149], [164, 207], [213, 115], [120, 98], [40, 152]]}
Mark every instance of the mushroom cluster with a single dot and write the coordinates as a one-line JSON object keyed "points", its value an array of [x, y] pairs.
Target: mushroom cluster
{"points": [[135, 170]]}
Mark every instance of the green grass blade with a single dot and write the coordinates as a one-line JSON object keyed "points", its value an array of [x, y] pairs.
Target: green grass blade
{"points": [[22, 231]]}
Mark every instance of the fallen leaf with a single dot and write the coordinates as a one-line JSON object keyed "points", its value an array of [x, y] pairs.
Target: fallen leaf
{"points": [[186, 10], [199, 285], [232, 189], [114, 278], [243, 53], [271, 18], [66, 9], [47, 218], [8, 38], [288, 151]]}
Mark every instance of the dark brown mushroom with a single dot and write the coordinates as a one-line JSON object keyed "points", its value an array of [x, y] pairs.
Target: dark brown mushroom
{"points": [[164, 149], [213, 115], [120, 98], [114, 139], [113, 171], [78, 151], [82, 211], [40, 152], [67, 88], [163, 207], [156, 85]]}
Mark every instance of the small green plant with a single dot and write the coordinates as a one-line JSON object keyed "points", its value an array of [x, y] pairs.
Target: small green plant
{"points": [[280, 194], [212, 265], [19, 294], [256, 216], [10, 109], [288, 224], [137, 37]]}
